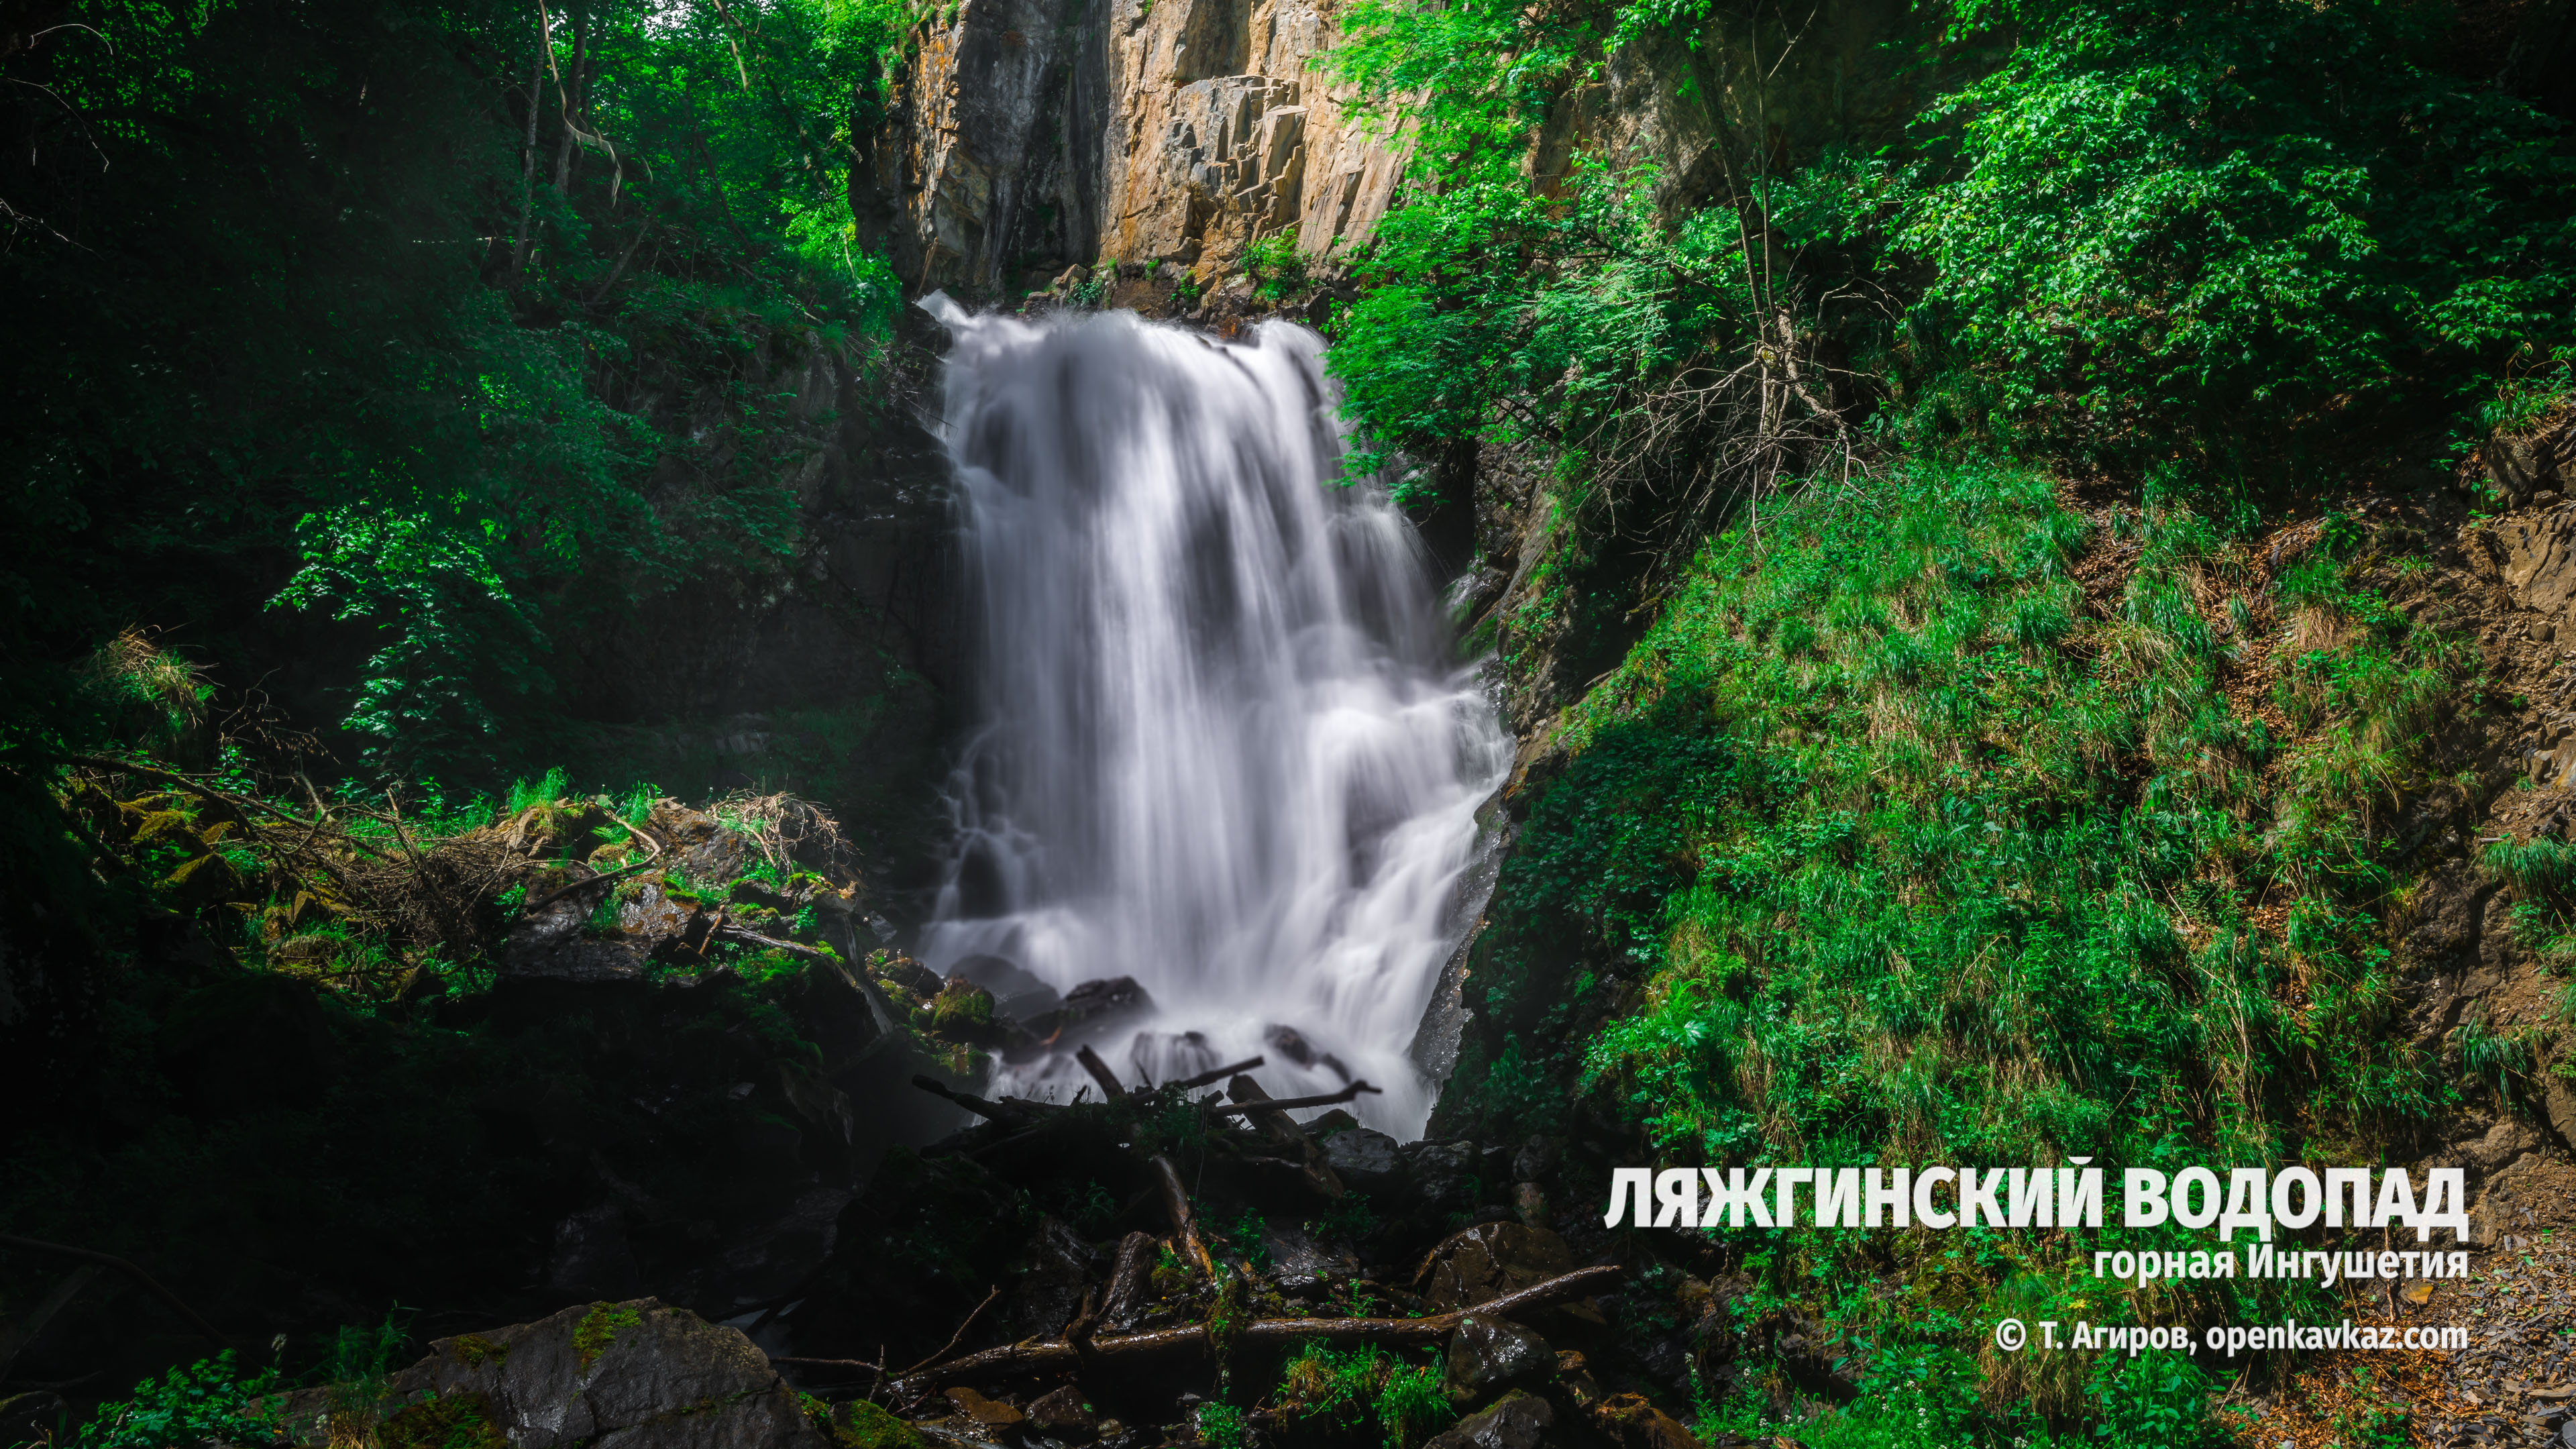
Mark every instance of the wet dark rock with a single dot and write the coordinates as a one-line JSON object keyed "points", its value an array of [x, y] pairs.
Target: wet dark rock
{"points": [[1063, 1414], [657, 921], [1094, 1004], [2447, 911], [1518, 1422], [1633, 1423], [1056, 1267], [900, 970], [1291, 1045], [1535, 1160], [1017, 993], [1301, 1264], [697, 844], [1489, 1260], [1443, 1175], [549, 944], [592, 1257], [984, 1413], [832, 1012], [766, 1261], [1365, 1160], [1488, 1354], [632, 1375]]}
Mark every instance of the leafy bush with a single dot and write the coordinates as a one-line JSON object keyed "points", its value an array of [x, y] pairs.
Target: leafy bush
{"points": [[1366, 1385], [1220, 1425], [1276, 267], [1888, 843], [426, 366], [2236, 228], [209, 1400], [1356, 1387]]}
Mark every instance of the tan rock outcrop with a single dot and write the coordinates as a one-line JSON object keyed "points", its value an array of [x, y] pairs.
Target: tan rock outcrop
{"points": [[1029, 135]]}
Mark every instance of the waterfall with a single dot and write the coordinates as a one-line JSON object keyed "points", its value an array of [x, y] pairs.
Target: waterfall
{"points": [[1222, 745]]}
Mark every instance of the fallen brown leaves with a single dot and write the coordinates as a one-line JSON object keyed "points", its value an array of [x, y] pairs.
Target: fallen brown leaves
{"points": [[2334, 1401]]}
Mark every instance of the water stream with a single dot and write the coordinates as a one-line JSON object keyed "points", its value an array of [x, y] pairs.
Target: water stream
{"points": [[1224, 746]]}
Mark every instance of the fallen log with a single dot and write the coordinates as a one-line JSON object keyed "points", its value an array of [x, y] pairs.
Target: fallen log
{"points": [[771, 943], [1215, 1075], [1265, 1113], [198, 787], [1284, 1104], [1009, 1109], [1029, 1358], [1108, 1080], [1176, 1206]]}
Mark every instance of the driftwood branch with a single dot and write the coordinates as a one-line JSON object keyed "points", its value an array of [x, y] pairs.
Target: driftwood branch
{"points": [[1108, 1080], [1176, 1206], [772, 943], [989, 1111], [1212, 1077], [142, 1280], [966, 1323], [1029, 1358], [583, 884], [1283, 1129], [226, 797], [1282, 1104]]}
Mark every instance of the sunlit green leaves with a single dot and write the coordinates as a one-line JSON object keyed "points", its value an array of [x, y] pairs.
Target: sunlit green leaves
{"points": [[2235, 225]]}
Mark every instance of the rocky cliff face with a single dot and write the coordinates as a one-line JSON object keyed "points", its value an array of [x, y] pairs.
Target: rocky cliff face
{"points": [[1033, 135]]}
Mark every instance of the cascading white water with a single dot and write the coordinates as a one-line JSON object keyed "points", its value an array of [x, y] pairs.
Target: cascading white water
{"points": [[1223, 748]]}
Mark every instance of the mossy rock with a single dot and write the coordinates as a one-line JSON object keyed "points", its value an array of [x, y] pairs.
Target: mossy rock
{"points": [[599, 1328], [450, 1421], [208, 880], [169, 828], [860, 1424], [963, 1009]]}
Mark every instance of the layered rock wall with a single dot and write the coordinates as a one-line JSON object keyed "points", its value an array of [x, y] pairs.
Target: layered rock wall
{"points": [[1032, 135]]}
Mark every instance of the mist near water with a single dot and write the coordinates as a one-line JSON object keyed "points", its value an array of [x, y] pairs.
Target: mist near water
{"points": [[1223, 744]]}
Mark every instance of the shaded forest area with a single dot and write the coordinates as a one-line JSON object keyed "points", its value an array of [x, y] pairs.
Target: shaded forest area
{"points": [[2031, 597]]}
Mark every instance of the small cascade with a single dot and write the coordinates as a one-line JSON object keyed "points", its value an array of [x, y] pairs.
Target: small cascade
{"points": [[1223, 747]]}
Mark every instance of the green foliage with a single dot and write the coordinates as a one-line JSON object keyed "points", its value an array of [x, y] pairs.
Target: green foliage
{"points": [[425, 366], [1583, 324], [2499, 1060], [2236, 228], [599, 1328], [1883, 846], [549, 788], [1353, 1388], [1276, 267], [2531, 390], [1220, 1425], [863, 1424], [2156, 1399], [2183, 242], [444, 1421], [1860, 758], [962, 1006], [209, 1400], [1243, 1238]]}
